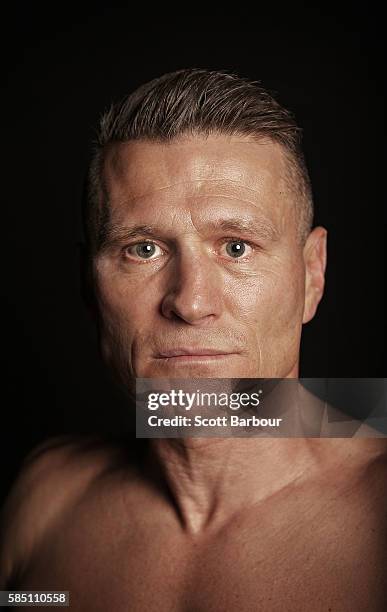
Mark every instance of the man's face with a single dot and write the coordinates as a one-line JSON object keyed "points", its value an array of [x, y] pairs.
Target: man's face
{"points": [[202, 273]]}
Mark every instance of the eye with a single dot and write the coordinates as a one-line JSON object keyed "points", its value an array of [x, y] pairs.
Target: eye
{"points": [[143, 250], [237, 248]]}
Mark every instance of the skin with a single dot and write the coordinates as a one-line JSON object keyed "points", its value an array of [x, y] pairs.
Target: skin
{"points": [[203, 525], [191, 293]]}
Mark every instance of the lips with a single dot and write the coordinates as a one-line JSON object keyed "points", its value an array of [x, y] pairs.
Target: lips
{"points": [[192, 352]]}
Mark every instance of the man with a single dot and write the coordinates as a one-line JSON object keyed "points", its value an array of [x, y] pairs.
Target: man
{"points": [[203, 264]]}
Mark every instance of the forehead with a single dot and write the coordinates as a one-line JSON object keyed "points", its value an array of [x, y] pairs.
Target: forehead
{"points": [[240, 170]]}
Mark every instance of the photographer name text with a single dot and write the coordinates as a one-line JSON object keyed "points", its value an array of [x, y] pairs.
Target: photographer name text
{"points": [[219, 421]]}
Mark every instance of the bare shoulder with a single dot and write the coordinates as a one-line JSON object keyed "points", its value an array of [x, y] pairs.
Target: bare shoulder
{"points": [[52, 477], [364, 465]]}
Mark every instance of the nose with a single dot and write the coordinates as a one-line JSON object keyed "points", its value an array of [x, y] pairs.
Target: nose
{"points": [[195, 290]]}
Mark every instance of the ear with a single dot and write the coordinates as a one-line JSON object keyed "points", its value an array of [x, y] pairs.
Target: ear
{"points": [[315, 256]]}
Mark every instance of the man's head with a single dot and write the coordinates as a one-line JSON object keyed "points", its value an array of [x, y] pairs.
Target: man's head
{"points": [[198, 223]]}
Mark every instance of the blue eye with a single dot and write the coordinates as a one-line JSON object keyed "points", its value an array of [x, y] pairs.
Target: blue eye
{"points": [[143, 250], [236, 248]]}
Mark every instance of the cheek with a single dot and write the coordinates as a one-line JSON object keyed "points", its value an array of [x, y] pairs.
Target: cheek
{"points": [[121, 315], [122, 305], [275, 292], [270, 305], [125, 312]]}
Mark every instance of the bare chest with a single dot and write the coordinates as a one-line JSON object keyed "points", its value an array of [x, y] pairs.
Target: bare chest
{"points": [[292, 556]]}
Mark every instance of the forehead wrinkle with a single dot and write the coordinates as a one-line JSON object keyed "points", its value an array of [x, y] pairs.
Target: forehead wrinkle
{"points": [[128, 172], [255, 204], [138, 198]]}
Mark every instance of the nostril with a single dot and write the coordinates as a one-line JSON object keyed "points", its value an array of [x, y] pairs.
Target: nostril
{"points": [[194, 310]]}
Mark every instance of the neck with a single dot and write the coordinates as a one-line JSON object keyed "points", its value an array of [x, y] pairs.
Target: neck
{"points": [[210, 480]]}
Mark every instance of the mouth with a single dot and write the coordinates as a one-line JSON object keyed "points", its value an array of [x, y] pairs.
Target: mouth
{"points": [[179, 355]]}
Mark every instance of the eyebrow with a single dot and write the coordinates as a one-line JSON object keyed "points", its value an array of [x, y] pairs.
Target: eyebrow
{"points": [[114, 235], [260, 228]]}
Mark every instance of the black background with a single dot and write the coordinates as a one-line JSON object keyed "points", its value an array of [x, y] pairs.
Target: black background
{"points": [[60, 71]]}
